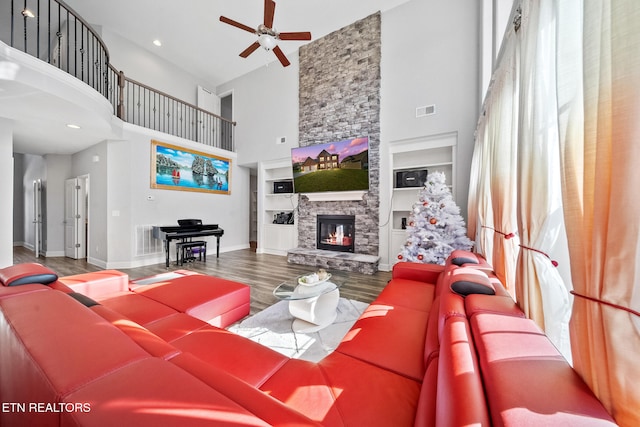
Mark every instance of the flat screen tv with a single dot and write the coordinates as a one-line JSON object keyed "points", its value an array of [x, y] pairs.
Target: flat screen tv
{"points": [[337, 166]]}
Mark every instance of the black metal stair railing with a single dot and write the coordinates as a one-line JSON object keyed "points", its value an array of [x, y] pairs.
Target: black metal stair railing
{"points": [[53, 32]]}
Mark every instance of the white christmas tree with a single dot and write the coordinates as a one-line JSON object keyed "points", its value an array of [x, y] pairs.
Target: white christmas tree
{"points": [[435, 227]]}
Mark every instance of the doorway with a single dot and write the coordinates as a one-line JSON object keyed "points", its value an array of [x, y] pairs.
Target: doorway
{"points": [[37, 218], [226, 112], [76, 217]]}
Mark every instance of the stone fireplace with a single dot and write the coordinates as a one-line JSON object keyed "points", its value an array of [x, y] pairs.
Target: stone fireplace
{"points": [[339, 94], [335, 232]]}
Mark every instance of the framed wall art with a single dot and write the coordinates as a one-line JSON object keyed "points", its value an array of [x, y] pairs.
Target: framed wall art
{"points": [[179, 168]]}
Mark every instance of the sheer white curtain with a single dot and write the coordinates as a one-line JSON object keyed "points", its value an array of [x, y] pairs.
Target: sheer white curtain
{"points": [[480, 212], [541, 290], [599, 101], [494, 163]]}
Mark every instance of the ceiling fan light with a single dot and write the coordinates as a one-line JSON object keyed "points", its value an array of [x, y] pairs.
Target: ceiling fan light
{"points": [[267, 41]]}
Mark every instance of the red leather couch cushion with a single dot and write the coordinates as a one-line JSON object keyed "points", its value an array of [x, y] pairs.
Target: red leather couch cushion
{"points": [[155, 392], [176, 326], [492, 304], [460, 397], [27, 273], [383, 327], [243, 358], [427, 273], [150, 342], [51, 345], [8, 291], [137, 308], [302, 386], [266, 407], [407, 293], [204, 297], [98, 284], [369, 396], [527, 381]]}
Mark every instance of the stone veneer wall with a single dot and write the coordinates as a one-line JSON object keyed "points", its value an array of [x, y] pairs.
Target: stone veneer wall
{"points": [[340, 99]]}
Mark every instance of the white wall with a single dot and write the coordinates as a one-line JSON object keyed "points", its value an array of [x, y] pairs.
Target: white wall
{"points": [[18, 200], [6, 187], [83, 163], [429, 56], [33, 168], [58, 169], [265, 105], [120, 187], [141, 65]]}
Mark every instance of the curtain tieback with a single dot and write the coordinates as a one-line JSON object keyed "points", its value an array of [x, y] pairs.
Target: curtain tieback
{"points": [[610, 304], [505, 235], [553, 262]]}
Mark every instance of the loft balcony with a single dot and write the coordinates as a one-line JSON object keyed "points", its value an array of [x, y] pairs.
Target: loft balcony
{"points": [[54, 33]]}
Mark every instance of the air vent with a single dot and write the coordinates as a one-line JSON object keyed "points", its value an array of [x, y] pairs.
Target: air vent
{"points": [[427, 110], [146, 244]]}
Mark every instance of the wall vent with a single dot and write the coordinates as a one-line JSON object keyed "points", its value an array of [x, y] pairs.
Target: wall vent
{"points": [[427, 110], [146, 244]]}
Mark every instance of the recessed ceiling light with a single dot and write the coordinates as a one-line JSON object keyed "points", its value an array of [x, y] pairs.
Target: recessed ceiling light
{"points": [[157, 42], [72, 126], [27, 13]]}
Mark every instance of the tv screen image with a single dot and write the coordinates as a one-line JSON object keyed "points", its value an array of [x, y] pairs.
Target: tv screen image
{"points": [[336, 166]]}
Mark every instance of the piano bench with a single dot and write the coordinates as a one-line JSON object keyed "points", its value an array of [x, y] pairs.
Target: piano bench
{"points": [[187, 251]]}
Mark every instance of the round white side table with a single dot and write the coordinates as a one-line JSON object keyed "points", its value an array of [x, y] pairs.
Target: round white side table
{"points": [[313, 306]]}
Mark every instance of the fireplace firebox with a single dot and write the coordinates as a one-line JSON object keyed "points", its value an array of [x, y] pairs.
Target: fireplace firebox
{"points": [[336, 232]]}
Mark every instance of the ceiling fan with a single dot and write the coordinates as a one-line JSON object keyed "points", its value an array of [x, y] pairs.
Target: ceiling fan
{"points": [[267, 36]]}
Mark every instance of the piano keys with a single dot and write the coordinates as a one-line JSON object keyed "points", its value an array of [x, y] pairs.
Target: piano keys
{"points": [[187, 229]]}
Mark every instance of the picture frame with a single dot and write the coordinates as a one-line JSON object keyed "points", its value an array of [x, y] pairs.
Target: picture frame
{"points": [[183, 169]]}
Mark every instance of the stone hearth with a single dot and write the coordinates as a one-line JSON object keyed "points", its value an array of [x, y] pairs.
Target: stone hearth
{"points": [[331, 260]]}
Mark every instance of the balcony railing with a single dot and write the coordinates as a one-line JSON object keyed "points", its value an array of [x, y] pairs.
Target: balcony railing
{"points": [[52, 32]]}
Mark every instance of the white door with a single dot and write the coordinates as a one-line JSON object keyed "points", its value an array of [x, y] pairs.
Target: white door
{"points": [[37, 217], [75, 218], [208, 128]]}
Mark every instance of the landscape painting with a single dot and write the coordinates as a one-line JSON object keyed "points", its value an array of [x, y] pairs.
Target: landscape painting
{"points": [[179, 168], [337, 166]]}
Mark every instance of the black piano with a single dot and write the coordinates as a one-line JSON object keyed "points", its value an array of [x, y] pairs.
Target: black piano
{"points": [[187, 229]]}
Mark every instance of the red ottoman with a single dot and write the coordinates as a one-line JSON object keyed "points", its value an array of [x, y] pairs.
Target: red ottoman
{"points": [[216, 301]]}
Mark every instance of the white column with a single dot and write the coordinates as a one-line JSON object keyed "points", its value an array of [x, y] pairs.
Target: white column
{"points": [[6, 192]]}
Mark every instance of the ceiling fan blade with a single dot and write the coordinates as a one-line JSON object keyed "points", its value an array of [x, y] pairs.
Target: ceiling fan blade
{"points": [[237, 24], [248, 51], [283, 59], [295, 36], [269, 12]]}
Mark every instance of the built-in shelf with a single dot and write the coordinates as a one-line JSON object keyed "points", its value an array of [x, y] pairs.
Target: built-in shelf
{"points": [[434, 153], [275, 238]]}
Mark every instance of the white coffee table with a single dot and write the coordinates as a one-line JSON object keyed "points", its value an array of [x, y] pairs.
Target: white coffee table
{"points": [[313, 306]]}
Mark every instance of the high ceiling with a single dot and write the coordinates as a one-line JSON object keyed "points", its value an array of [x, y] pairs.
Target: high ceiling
{"points": [[193, 36]]}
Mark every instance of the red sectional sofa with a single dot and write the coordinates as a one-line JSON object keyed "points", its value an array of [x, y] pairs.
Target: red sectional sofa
{"points": [[441, 345]]}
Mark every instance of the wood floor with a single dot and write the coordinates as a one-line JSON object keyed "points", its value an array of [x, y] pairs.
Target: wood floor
{"points": [[262, 272]]}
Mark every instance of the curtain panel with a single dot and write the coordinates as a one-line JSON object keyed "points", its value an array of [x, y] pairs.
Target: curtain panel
{"points": [[541, 290], [599, 101], [564, 102]]}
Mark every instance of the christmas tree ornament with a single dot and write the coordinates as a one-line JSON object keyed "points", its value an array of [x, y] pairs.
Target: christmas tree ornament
{"points": [[433, 221]]}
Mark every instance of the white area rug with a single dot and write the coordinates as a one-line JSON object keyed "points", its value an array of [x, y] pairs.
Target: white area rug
{"points": [[272, 327]]}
